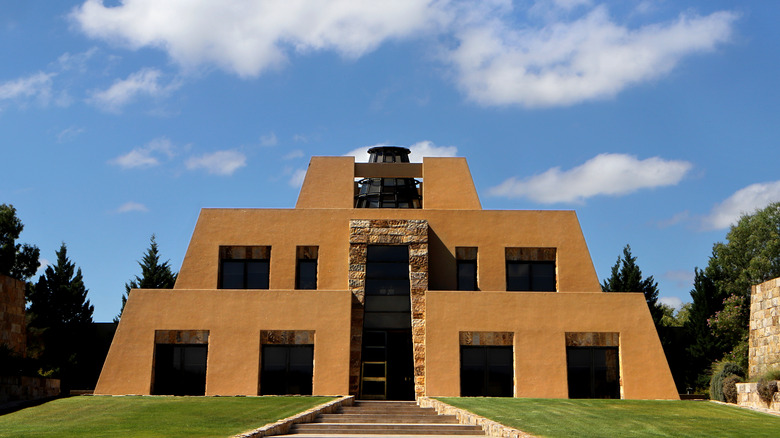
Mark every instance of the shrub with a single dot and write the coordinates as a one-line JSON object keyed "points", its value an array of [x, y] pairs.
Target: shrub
{"points": [[730, 388], [720, 371], [772, 374], [766, 390]]}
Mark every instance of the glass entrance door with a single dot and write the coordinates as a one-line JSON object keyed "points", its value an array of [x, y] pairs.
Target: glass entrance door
{"points": [[387, 368]]}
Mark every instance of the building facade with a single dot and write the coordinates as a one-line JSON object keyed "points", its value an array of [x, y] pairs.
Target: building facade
{"points": [[387, 281]]}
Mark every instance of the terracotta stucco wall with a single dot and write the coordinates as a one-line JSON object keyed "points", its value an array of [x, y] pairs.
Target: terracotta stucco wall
{"points": [[537, 321], [490, 231], [540, 321], [234, 320]]}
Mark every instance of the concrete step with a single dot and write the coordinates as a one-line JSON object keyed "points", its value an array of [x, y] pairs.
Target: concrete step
{"points": [[385, 418], [393, 411], [387, 429]]}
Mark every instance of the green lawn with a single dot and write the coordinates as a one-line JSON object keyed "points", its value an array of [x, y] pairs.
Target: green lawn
{"points": [[622, 418], [151, 416]]}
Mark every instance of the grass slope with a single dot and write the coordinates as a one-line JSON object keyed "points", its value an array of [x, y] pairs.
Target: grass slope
{"points": [[621, 418], [151, 416]]}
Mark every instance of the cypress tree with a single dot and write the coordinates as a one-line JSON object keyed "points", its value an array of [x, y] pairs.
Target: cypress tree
{"points": [[627, 277], [704, 348], [60, 317], [154, 274]]}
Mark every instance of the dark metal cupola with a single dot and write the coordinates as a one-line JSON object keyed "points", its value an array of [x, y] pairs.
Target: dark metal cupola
{"points": [[388, 192]]}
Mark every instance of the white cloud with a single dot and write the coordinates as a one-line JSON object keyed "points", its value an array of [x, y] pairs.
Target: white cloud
{"points": [[297, 153], [250, 37], [566, 62], [296, 180], [673, 302], [148, 155], [69, 134], [143, 82], [552, 9], [674, 220], [548, 53], [605, 174], [218, 163], [680, 278], [38, 85], [268, 140], [744, 201], [425, 148], [44, 263], [130, 206], [76, 61]]}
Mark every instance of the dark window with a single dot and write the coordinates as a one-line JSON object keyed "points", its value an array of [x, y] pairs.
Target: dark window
{"points": [[593, 372], [306, 267], [530, 276], [486, 371], [287, 369], [306, 275], [467, 275], [466, 264], [387, 270], [180, 369], [388, 193], [387, 303], [244, 274]]}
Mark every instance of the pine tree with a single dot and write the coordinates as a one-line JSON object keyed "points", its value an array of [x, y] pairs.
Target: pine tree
{"points": [[59, 298], [154, 275], [627, 277], [59, 317]]}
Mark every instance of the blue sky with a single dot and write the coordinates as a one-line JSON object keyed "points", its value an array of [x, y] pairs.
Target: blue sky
{"points": [[657, 121]]}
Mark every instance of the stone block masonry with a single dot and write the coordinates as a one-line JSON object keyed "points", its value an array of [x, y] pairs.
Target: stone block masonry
{"points": [[413, 233], [12, 325], [764, 343]]}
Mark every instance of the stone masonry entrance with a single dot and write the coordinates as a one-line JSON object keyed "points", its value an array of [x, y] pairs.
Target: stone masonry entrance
{"points": [[387, 369], [388, 277]]}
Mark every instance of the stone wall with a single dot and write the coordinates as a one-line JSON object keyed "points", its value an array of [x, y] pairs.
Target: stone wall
{"points": [[283, 426], [491, 428], [413, 233], [12, 325], [747, 396], [764, 346], [15, 388]]}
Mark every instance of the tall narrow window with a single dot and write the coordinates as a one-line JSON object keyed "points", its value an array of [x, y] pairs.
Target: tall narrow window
{"points": [[306, 267], [531, 269], [244, 267], [466, 259]]}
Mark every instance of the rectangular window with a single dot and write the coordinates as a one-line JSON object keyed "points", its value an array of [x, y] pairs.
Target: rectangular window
{"points": [[466, 259], [486, 371], [244, 267], [531, 269], [287, 369], [180, 362], [306, 267], [593, 372], [387, 270]]}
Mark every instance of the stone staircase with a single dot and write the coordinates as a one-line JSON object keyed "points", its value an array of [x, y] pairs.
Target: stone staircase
{"points": [[396, 418]]}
